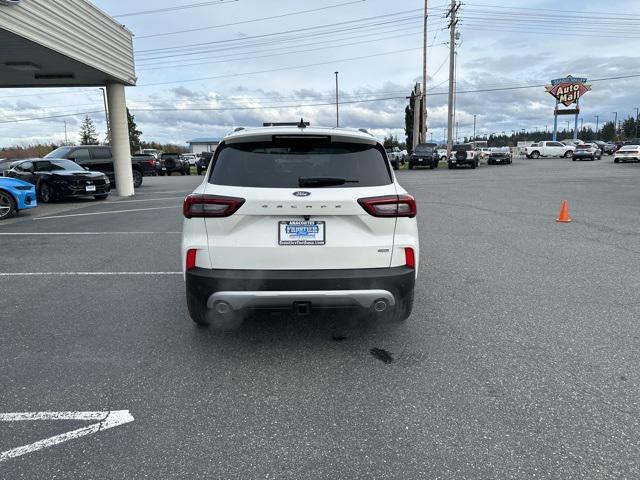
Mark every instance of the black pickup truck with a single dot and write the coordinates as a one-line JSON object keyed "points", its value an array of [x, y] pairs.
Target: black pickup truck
{"points": [[99, 158]]}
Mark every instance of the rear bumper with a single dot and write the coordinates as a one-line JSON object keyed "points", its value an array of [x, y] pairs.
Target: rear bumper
{"points": [[284, 288]]}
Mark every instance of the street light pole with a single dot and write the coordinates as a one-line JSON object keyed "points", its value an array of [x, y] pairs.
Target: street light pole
{"points": [[637, 110], [615, 125], [597, 123], [474, 127], [337, 108], [106, 114]]}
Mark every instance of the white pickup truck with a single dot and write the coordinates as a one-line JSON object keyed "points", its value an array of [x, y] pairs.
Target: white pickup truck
{"points": [[548, 149]]}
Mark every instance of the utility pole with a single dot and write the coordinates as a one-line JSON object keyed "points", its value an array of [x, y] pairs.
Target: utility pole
{"points": [[337, 108], [423, 132], [106, 115], [597, 123], [637, 110], [417, 99], [615, 125], [452, 52], [66, 141]]}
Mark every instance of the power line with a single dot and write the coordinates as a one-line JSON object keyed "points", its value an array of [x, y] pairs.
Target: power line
{"points": [[290, 52], [407, 13], [403, 97], [330, 62], [173, 9], [273, 17]]}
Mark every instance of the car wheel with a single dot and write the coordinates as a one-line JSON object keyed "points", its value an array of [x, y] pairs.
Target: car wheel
{"points": [[534, 155], [574, 159], [137, 179], [473, 165], [402, 310], [568, 154], [188, 171], [45, 193], [432, 166], [410, 165], [615, 160], [7, 205], [100, 197], [201, 315], [450, 166]]}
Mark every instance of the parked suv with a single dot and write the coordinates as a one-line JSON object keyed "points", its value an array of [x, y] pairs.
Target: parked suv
{"points": [[299, 219], [99, 158], [589, 151], [173, 162], [203, 162], [424, 155], [464, 154]]}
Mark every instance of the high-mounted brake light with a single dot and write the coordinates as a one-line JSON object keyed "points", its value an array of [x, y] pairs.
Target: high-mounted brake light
{"points": [[200, 206], [390, 206], [191, 258]]}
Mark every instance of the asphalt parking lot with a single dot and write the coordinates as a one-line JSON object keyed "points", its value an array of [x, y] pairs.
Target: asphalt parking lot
{"points": [[519, 361]]}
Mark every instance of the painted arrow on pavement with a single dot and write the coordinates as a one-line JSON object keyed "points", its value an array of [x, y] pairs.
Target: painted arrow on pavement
{"points": [[106, 420]]}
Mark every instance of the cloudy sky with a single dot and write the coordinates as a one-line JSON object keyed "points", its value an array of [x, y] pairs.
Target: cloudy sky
{"points": [[250, 61]]}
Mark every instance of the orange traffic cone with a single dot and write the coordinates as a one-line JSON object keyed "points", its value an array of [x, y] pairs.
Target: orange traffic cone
{"points": [[564, 213]]}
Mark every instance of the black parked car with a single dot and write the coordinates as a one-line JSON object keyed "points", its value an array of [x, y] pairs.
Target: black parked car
{"points": [[498, 156], [5, 164], [100, 159], [57, 179], [147, 162], [203, 162], [424, 155], [610, 148], [173, 162]]}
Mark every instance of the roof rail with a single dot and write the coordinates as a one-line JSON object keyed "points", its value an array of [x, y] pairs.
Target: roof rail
{"points": [[364, 130], [238, 129]]}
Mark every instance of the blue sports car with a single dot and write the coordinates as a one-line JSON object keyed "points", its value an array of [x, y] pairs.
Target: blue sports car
{"points": [[15, 195]]}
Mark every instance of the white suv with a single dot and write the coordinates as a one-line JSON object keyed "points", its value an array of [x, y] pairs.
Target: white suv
{"points": [[299, 218]]}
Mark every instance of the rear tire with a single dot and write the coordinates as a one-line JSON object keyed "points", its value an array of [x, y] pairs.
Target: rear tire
{"points": [[402, 309], [534, 155], [137, 179], [473, 165], [197, 311], [450, 166], [45, 193], [7, 205], [568, 154], [411, 165]]}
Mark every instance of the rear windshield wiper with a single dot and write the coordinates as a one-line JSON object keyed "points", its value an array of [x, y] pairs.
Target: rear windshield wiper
{"points": [[323, 181]]}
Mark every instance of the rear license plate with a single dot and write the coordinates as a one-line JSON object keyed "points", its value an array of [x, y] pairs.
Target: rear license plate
{"points": [[301, 232], [91, 188]]}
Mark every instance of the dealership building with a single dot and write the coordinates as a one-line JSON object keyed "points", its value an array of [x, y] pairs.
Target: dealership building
{"points": [[71, 43]]}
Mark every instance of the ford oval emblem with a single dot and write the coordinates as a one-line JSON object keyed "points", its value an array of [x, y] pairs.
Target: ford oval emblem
{"points": [[301, 194]]}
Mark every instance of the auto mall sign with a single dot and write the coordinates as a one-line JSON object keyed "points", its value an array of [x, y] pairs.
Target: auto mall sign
{"points": [[568, 90]]}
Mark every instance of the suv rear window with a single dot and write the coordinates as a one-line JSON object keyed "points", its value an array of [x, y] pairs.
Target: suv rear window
{"points": [[283, 163]]}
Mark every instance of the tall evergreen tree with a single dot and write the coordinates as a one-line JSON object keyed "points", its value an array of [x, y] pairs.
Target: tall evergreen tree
{"points": [[134, 133], [88, 134]]}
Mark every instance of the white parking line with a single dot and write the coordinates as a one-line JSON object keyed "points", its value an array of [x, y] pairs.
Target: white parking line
{"points": [[106, 420], [9, 234], [85, 274], [147, 200], [104, 213]]}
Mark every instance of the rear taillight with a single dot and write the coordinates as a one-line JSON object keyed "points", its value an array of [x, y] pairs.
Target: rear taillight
{"points": [[410, 257], [197, 206], [151, 163], [390, 206], [191, 259]]}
